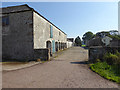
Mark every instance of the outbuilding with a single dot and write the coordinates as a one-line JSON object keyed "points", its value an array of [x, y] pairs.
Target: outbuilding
{"points": [[27, 35]]}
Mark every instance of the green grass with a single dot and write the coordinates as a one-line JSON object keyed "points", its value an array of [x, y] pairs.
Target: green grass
{"points": [[13, 62], [44, 61], [110, 72], [83, 45]]}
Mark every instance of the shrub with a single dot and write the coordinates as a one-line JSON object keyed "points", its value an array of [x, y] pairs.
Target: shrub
{"points": [[111, 58], [109, 67], [97, 60], [118, 54]]}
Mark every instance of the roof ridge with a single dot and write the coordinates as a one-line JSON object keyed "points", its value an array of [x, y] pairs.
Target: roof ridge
{"points": [[16, 6]]}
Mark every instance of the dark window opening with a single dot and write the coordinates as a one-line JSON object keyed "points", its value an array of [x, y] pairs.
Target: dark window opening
{"points": [[5, 21]]}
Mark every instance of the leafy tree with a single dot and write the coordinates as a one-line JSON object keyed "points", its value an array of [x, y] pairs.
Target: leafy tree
{"points": [[78, 41], [102, 34], [114, 37], [113, 32], [87, 36]]}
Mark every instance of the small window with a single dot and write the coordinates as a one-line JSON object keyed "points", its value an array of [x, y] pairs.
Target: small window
{"points": [[51, 31], [59, 33], [5, 21]]}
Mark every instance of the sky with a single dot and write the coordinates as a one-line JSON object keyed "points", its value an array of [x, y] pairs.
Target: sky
{"points": [[76, 18]]}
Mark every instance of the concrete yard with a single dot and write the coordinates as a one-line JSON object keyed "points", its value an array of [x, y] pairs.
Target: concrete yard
{"points": [[68, 70]]}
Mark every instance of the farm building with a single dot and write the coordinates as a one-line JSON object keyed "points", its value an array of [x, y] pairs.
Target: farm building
{"points": [[70, 42], [27, 35]]}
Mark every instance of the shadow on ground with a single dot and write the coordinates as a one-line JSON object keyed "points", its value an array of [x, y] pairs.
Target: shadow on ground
{"points": [[82, 62]]}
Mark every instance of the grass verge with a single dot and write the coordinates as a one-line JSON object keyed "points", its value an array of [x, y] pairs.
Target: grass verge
{"points": [[110, 72], [83, 45], [44, 61]]}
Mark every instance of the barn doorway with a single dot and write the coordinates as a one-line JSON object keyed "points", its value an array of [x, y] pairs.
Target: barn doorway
{"points": [[56, 46], [49, 46], [59, 46]]}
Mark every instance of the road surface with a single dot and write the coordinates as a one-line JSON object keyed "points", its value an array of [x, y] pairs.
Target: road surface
{"points": [[68, 70]]}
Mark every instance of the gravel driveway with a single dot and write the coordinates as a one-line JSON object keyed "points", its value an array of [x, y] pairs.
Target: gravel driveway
{"points": [[68, 70]]}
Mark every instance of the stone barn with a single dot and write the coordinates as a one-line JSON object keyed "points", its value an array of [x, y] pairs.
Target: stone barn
{"points": [[27, 35]]}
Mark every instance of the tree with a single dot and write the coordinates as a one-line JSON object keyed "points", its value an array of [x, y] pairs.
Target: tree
{"points": [[114, 32], [114, 37], [87, 36], [78, 41], [102, 34]]}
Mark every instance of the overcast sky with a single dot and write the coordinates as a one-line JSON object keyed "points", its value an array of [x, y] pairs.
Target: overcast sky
{"points": [[76, 18]]}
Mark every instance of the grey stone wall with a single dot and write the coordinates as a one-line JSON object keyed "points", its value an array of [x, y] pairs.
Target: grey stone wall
{"points": [[42, 54], [97, 52], [95, 42], [42, 33], [17, 37], [115, 43]]}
